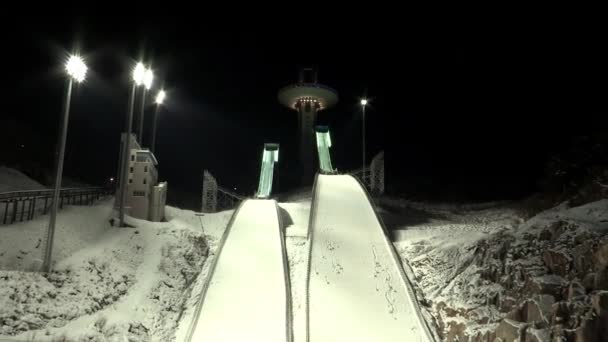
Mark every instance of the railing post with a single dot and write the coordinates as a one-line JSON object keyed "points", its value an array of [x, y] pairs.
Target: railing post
{"points": [[5, 212], [33, 212], [46, 202], [15, 204], [22, 209]]}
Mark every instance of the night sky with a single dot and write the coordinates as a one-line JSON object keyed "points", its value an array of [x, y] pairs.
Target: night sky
{"points": [[457, 119]]}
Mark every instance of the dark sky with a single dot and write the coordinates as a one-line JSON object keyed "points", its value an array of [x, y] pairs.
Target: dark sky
{"points": [[456, 117]]}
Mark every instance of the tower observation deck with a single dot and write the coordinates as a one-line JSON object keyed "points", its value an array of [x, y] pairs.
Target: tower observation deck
{"points": [[307, 97]]}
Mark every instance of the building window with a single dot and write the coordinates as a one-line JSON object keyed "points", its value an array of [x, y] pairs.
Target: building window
{"points": [[139, 193], [142, 157], [144, 181], [131, 169], [132, 158], [145, 168], [130, 181]]}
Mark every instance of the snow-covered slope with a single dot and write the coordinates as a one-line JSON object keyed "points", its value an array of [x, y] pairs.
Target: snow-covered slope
{"points": [[13, 180], [108, 283]]}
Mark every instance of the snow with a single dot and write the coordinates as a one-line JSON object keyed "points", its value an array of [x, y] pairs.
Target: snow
{"points": [[108, 283], [13, 180], [246, 299], [351, 268], [295, 218]]}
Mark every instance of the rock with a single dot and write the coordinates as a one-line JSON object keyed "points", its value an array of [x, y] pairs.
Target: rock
{"points": [[538, 309], [456, 332], [548, 284], [599, 302], [601, 280], [509, 330], [557, 262], [590, 330], [507, 303], [582, 256], [545, 235], [536, 335], [600, 257], [589, 281], [575, 289]]}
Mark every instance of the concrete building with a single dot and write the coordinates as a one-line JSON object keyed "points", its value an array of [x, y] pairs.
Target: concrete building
{"points": [[307, 97], [146, 197]]}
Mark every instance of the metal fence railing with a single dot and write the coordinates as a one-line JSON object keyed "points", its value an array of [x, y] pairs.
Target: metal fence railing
{"points": [[18, 206]]}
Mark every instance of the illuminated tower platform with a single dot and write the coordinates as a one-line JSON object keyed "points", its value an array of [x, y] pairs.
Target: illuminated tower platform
{"points": [[307, 97]]}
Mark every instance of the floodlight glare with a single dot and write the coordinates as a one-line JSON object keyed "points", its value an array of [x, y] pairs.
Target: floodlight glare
{"points": [[364, 102], [139, 74], [148, 77], [76, 68], [160, 97]]}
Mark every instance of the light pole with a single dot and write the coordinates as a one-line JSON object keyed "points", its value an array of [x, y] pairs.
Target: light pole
{"points": [[138, 79], [160, 98], [147, 82], [77, 70], [363, 105]]}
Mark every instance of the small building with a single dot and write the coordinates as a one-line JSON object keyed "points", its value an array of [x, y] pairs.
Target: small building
{"points": [[146, 197]]}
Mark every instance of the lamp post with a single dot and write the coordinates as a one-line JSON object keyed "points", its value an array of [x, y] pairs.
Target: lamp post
{"points": [[160, 98], [76, 70], [138, 79], [147, 82], [363, 105]]}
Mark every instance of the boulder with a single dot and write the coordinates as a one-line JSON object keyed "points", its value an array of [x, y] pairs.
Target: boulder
{"points": [[600, 257], [589, 281], [557, 262], [536, 335], [547, 284], [456, 332], [590, 330], [509, 330], [582, 256], [601, 280], [575, 289], [538, 309]]}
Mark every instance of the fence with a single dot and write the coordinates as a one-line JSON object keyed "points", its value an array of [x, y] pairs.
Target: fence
{"points": [[24, 205], [373, 176]]}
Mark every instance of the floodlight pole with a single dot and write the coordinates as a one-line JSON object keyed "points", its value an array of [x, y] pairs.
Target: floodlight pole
{"points": [[58, 175], [126, 151]]}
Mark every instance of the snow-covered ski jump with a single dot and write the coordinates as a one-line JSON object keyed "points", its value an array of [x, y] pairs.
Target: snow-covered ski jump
{"points": [[248, 294]]}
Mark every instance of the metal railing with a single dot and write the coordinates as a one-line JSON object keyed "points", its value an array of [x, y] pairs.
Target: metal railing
{"points": [[19, 206]]}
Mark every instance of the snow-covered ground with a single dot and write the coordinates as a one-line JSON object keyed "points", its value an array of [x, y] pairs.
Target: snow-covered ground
{"points": [[14, 180], [108, 284]]}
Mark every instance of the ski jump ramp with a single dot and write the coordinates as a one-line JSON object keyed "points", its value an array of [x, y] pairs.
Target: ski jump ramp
{"points": [[357, 288], [248, 296]]}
